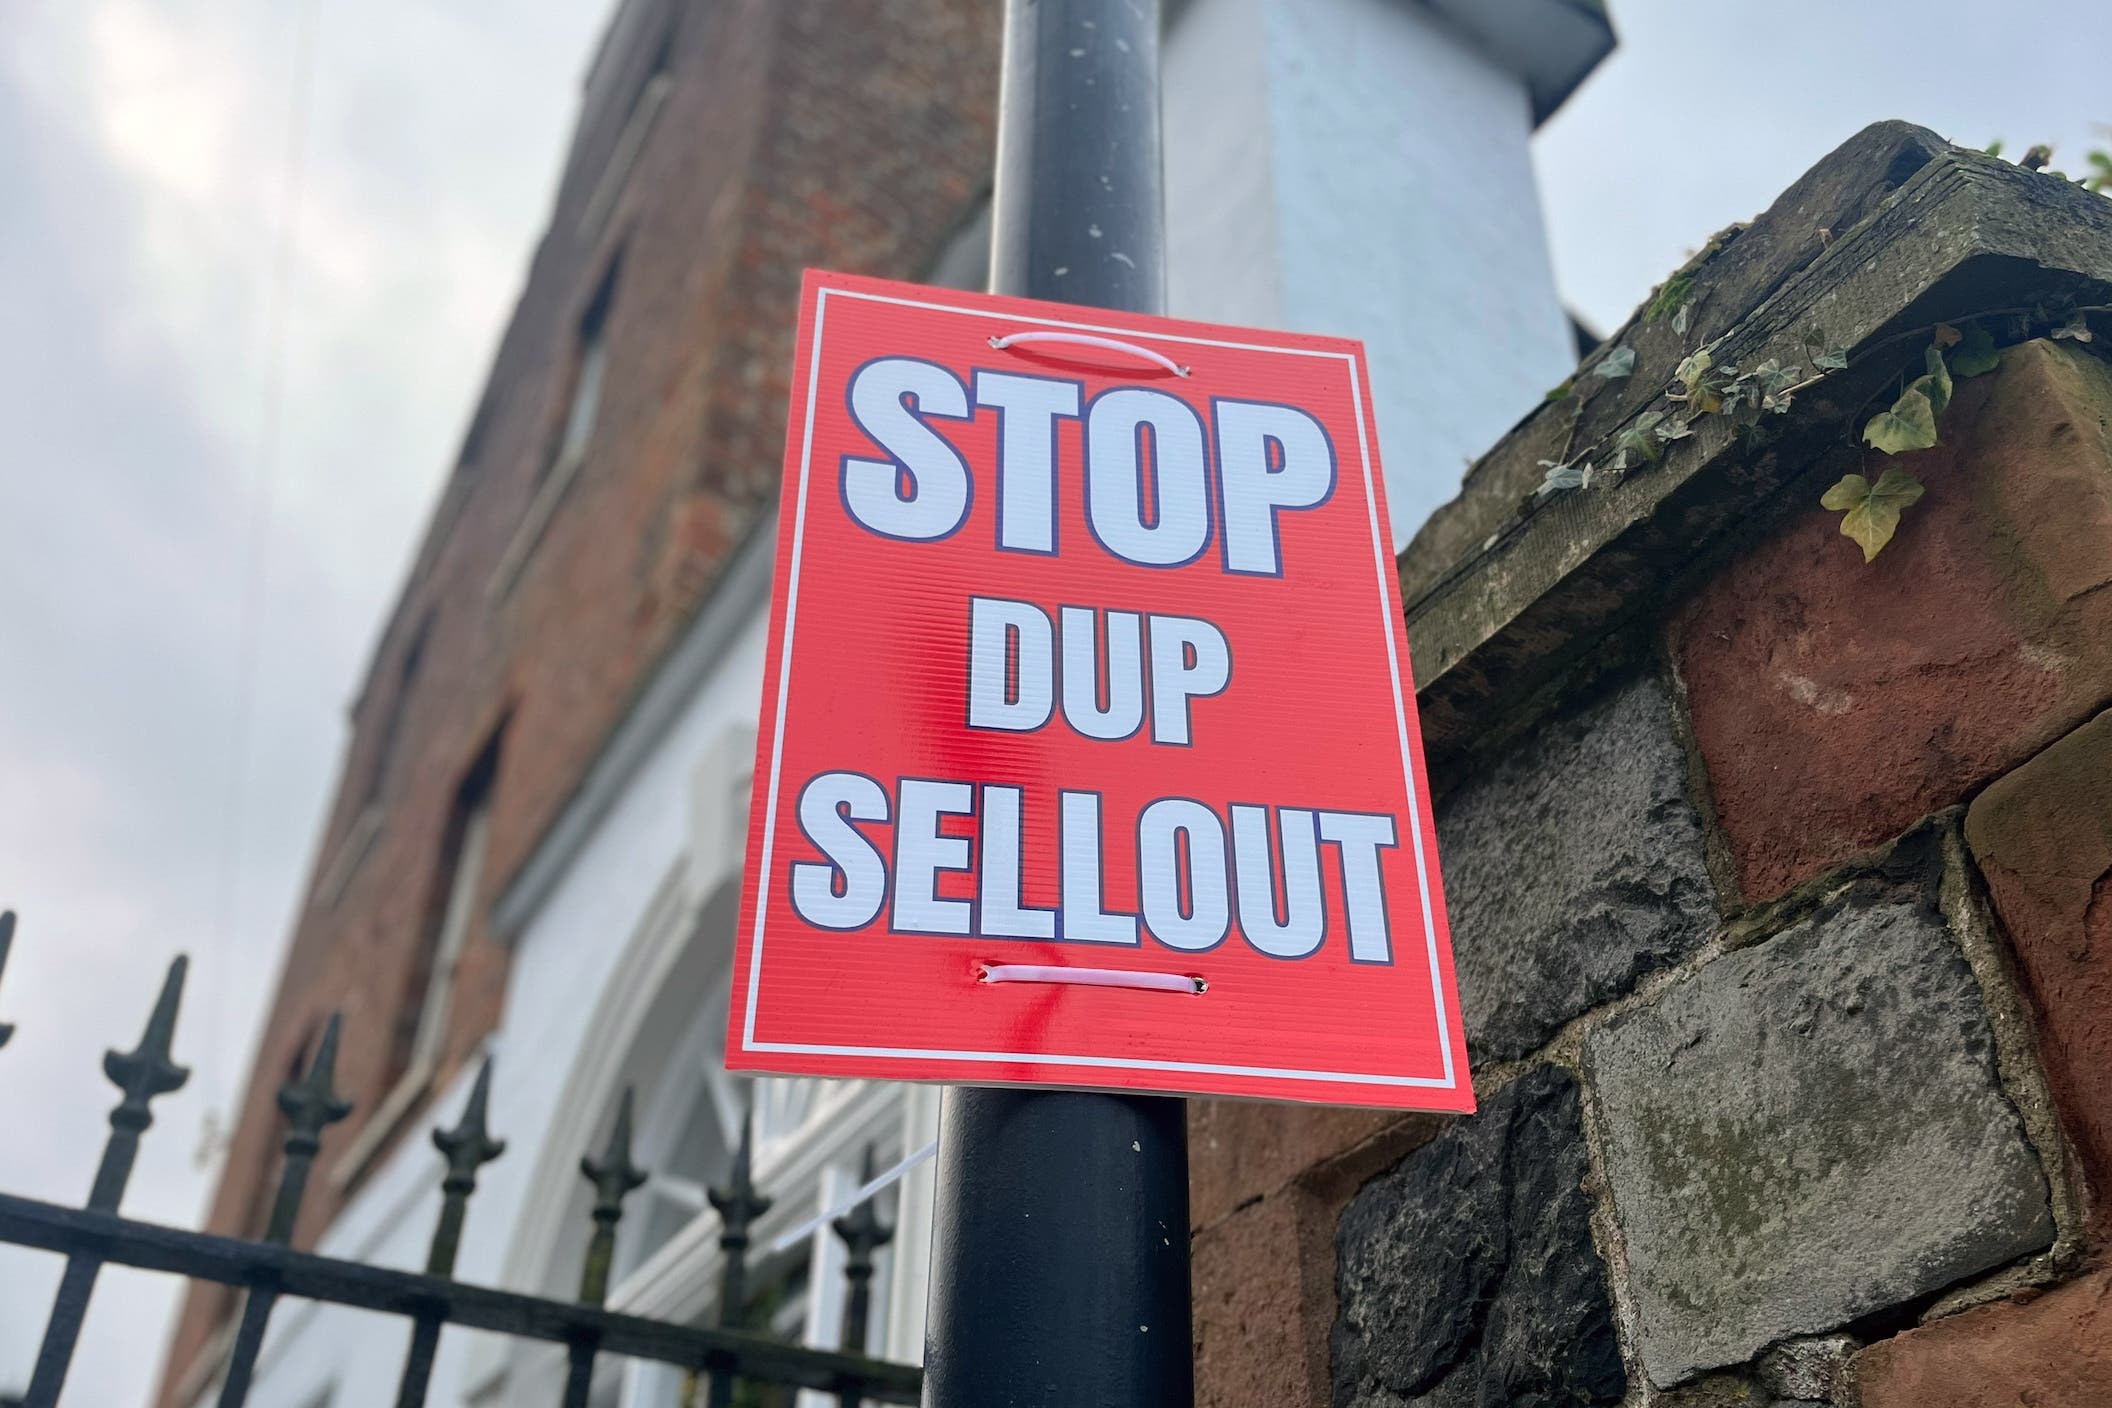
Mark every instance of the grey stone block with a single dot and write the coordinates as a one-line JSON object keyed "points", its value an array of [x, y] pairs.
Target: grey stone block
{"points": [[1467, 1276], [1572, 867], [1808, 1131]]}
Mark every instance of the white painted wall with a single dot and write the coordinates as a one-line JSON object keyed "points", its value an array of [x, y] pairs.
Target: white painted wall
{"points": [[563, 962], [595, 998], [1359, 168]]}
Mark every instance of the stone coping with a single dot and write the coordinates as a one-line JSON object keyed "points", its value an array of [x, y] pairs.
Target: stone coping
{"points": [[1893, 232]]}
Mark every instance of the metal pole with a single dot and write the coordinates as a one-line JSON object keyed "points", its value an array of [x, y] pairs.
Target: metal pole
{"points": [[1060, 1253]]}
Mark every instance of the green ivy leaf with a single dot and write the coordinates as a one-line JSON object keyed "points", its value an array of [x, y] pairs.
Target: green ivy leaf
{"points": [[1639, 441], [1776, 382], [1909, 425], [1702, 383], [1690, 371], [1976, 355], [1563, 477], [1618, 363], [1826, 354], [2100, 177], [1936, 385], [1870, 512]]}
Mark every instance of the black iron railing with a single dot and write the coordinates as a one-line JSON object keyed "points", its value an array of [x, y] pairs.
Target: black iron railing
{"points": [[270, 1269]]}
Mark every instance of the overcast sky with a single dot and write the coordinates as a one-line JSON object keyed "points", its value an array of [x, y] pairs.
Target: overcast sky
{"points": [[254, 257]]}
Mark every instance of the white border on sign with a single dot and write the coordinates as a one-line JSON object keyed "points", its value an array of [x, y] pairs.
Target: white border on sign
{"points": [[1382, 557]]}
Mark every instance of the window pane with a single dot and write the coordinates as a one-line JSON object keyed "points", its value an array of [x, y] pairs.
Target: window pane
{"points": [[586, 399]]}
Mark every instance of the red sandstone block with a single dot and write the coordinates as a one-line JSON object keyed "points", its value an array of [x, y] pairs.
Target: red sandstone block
{"points": [[1264, 1282], [2043, 838], [1240, 1150], [2051, 1352], [1835, 704]]}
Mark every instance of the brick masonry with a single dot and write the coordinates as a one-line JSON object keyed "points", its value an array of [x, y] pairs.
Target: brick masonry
{"points": [[2042, 836], [1467, 1274], [1836, 703], [853, 134], [1808, 1131], [1572, 867]]}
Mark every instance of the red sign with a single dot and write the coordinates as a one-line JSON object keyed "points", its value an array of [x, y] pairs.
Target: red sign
{"points": [[1088, 752]]}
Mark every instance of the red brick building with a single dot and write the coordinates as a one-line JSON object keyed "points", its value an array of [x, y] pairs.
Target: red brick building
{"points": [[625, 443]]}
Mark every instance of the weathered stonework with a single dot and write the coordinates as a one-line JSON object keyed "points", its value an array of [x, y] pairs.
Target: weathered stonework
{"points": [[1467, 1275], [1724, 283], [2052, 1351], [1837, 703], [1808, 1131], [1516, 588], [1240, 1150], [1572, 867], [1806, 1141], [1820, 1369], [1262, 1339], [2043, 838]]}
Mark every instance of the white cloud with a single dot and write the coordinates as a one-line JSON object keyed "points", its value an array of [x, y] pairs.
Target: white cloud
{"points": [[144, 146]]}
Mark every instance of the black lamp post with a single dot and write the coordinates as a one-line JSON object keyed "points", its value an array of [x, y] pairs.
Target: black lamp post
{"points": [[1060, 1259]]}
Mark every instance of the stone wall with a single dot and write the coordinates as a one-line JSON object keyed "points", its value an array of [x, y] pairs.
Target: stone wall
{"points": [[1781, 884]]}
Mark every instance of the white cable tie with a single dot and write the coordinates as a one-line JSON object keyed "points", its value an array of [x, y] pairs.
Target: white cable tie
{"points": [[806, 1229], [1091, 977], [1082, 339]]}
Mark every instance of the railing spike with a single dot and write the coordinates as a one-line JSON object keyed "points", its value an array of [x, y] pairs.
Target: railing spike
{"points": [[738, 1202], [141, 1074], [467, 1147], [862, 1225], [147, 1070], [144, 1072], [7, 941], [744, 1153], [614, 1177], [310, 1102], [739, 1205], [862, 1233]]}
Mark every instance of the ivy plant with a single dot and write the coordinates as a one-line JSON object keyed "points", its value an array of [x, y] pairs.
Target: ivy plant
{"points": [[1701, 386]]}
